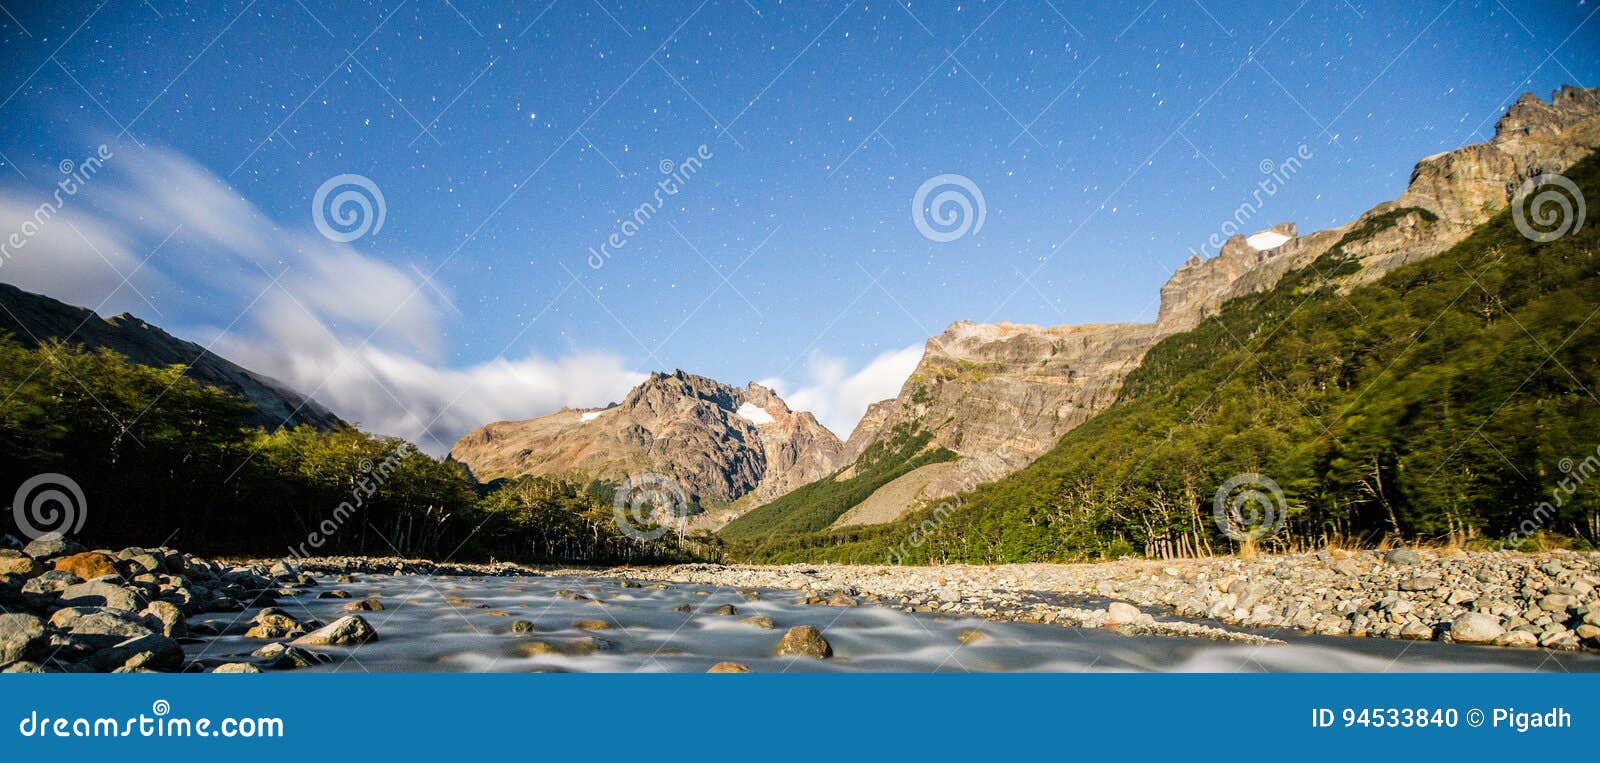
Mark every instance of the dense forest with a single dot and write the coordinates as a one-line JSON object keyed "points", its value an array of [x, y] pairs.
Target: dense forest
{"points": [[163, 460], [1451, 401]]}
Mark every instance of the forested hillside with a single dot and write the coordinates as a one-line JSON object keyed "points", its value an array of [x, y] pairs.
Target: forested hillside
{"points": [[1446, 401], [161, 459]]}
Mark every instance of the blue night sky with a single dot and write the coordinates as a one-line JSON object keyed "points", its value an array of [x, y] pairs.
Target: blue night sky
{"points": [[508, 139]]}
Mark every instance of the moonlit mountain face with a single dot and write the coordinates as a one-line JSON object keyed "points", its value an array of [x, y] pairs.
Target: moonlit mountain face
{"points": [[429, 216]]}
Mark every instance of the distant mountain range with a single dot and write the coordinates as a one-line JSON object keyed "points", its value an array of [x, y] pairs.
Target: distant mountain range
{"points": [[1001, 395], [985, 401], [33, 319]]}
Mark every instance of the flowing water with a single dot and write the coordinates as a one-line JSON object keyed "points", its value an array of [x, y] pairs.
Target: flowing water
{"points": [[464, 625]]}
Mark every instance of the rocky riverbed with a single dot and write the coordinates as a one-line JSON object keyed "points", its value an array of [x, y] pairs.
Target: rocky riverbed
{"points": [[68, 609], [1547, 600]]}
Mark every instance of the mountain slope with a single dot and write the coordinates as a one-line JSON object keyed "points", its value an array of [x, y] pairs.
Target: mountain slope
{"points": [[34, 318], [1451, 397], [1001, 395], [720, 443]]}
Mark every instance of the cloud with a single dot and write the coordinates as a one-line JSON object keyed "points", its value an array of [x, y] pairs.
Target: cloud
{"points": [[840, 398], [356, 332]]}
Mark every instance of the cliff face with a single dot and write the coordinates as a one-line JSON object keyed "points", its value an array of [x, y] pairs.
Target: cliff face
{"points": [[999, 395], [720, 443], [34, 318]]}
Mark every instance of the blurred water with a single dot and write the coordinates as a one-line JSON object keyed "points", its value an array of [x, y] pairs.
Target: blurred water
{"points": [[464, 625]]}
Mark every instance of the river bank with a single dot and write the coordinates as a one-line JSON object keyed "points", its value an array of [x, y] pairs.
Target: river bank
{"points": [[67, 609], [1546, 600]]}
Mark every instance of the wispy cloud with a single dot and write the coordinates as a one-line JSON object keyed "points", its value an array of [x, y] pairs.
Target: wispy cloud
{"points": [[838, 396], [355, 331]]}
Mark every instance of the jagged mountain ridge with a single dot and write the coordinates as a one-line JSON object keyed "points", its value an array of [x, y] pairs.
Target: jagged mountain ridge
{"points": [[720, 443], [1000, 395], [34, 318]]}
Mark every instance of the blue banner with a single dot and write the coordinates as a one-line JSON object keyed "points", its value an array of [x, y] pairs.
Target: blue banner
{"points": [[802, 717]]}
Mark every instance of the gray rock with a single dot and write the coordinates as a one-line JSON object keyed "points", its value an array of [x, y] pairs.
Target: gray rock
{"points": [[151, 651], [1517, 639], [282, 656], [349, 630], [805, 641], [1402, 557], [99, 593], [1122, 613], [21, 636], [14, 562], [51, 582], [1476, 628], [50, 549], [165, 618]]}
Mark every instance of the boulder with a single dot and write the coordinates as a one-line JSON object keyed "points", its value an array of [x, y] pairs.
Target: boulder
{"points": [[759, 621], [51, 548], [165, 618], [805, 641], [99, 593], [729, 667], [726, 610], [521, 626], [99, 627], [17, 563], [365, 605], [1476, 628], [281, 656], [349, 630], [150, 651], [88, 565], [1123, 613], [275, 626], [21, 636], [1401, 557], [591, 625], [50, 582]]}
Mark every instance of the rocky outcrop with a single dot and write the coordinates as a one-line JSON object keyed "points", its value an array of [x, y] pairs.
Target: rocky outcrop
{"points": [[34, 318], [717, 442], [1000, 395]]}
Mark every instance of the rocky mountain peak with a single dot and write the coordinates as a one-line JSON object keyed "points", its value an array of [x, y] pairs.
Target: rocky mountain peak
{"points": [[1000, 394], [719, 442]]}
